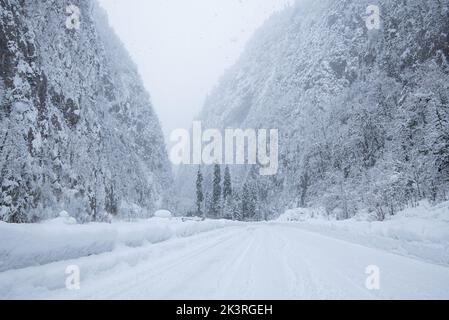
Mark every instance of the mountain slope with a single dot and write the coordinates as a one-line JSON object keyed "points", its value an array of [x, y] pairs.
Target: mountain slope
{"points": [[77, 127], [363, 114]]}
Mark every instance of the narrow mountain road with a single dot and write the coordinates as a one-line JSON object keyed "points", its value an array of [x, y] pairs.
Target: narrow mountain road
{"points": [[260, 261]]}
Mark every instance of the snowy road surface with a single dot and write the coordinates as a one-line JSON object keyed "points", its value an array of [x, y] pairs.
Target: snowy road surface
{"points": [[260, 261]]}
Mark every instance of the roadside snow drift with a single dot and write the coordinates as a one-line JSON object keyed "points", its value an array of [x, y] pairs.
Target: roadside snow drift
{"points": [[421, 232], [24, 245]]}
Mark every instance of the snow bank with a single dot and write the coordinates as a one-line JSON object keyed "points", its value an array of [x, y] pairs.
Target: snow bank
{"points": [[421, 232], [301, 214], [34, 244], [27, 245], [191, 227], [163, 214]]}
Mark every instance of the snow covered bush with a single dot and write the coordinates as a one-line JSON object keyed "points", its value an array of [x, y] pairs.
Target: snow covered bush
{"points": [[163, 214]]}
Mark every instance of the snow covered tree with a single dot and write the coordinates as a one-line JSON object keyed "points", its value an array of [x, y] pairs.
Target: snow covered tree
{"points": [[77, 129], [249, 202], [228, 199], [199, 193], [216, 204], [236, 207], [208, 204], [227, 184], [362, 114], [237, 213]]}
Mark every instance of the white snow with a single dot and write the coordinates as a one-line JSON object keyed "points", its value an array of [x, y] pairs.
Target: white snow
{"points": [[180, 258], [163, 214], [421, 232], [252, 261], [61, 239]]}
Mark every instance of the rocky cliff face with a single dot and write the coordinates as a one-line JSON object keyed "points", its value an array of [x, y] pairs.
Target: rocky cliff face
{"points": [[363, 114], [77, 128]]}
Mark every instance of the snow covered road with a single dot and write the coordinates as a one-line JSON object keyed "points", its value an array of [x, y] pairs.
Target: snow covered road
{"points": [[254, 261]]}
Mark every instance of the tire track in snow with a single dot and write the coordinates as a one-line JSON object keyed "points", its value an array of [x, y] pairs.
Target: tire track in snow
{"points": [[256, 261], [149, 273]]}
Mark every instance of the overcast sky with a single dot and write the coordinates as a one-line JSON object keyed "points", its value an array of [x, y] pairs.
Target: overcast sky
{"points": [[182, 47]]}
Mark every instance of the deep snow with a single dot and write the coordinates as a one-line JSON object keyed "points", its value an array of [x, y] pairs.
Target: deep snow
{"points": [[256, 261], [422, 231], [172, 258], [25, 245]]}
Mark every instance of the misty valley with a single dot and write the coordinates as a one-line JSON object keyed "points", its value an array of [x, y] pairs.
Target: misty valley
{"points": [[249, 150]]}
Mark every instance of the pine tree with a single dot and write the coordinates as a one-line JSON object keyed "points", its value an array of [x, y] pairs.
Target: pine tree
{"points": [[228, 208], [216, 192], [237, 207], [199, 192], [228, 199], [111, 203], [208, 204], [227, 184], [249, 201]]}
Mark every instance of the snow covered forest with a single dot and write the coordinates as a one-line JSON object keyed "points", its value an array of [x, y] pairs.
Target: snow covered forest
{"points": [[78, 131], [363, 114], [363, 175]]}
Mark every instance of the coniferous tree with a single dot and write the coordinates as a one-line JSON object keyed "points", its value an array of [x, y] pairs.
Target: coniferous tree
{"points": [[208, 204], [245, 201], [227, 184], [228, 208], [199, 192], [216, 192], [228, 199], [249, 201], [236, 207]]}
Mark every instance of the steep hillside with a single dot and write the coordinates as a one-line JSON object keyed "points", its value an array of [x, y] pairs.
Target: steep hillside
{"points": [[77, 127], [363, 114]]}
